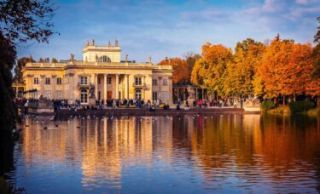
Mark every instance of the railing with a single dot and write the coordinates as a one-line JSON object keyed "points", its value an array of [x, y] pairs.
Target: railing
{"points": [[83, 85], [142, 86]]}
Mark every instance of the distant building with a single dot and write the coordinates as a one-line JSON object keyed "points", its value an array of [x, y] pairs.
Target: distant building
{"points": [[100, 76]]}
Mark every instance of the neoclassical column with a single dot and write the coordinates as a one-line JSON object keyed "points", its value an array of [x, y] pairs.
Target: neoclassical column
{"points": [[126, 86], [105, 87], [95, 77], [117, 86]]}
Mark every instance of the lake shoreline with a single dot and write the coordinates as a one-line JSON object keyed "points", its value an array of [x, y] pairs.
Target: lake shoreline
{"points": [[145, 112]]}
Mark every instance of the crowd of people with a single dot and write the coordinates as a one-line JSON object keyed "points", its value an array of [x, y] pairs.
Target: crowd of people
{"points": [[127, 103]]}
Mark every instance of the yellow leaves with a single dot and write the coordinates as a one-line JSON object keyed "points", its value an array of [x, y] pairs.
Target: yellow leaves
{"points": [[208, 71], [281, 68]]}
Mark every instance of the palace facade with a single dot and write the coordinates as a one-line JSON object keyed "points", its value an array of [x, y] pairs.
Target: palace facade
{"points": [[99, 76]]}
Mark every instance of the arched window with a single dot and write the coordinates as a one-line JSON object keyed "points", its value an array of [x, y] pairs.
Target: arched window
{"points": [[84, 96], [105, 59]]}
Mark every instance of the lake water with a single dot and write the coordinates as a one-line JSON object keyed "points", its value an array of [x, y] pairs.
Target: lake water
{"points": [[190, 154]]}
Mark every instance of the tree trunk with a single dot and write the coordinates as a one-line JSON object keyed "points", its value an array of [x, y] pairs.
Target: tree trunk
{"points": [[283, 100], [318, 101]]}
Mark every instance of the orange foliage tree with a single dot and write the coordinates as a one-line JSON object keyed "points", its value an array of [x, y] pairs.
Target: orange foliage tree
{"points": [[286, 68], [181, 72]]}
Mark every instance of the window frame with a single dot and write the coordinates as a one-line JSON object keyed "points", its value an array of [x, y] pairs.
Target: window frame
{"points": [[47, 81], [36, 81], [154, 82], [59, 81], [138, 81], [165, 82], [83, 80]]}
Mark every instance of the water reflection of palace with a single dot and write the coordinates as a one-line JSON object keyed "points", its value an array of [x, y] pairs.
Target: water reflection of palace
{"points": [[265, 150], [101, 146]]}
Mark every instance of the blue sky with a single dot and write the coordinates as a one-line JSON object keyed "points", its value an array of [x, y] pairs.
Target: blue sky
{"points": [[160, 28]]}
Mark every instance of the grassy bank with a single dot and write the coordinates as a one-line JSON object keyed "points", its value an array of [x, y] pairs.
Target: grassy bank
{"points": [[299, 107]]}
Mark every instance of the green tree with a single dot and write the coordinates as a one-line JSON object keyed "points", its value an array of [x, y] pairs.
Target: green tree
{"points": [[316, 52], [7, 107], [191, 59], [20, 21], [18, 68], [54, 60]]}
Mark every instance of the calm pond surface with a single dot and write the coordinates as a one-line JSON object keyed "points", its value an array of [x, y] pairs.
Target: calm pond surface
{"points": [[213, 154]]}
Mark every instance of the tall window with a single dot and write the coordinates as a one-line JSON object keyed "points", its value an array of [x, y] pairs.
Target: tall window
{"points": [[154, 96], [47, 81], [59, 81], [138, 94], [36, 80], [83, 80], [84, 96], [154, 82], [109, 80], [165, 82], [137, 81]]}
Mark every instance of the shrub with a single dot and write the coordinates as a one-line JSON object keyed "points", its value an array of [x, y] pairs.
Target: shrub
{"points": [[267, 105], [280, 110], [301, 106]]}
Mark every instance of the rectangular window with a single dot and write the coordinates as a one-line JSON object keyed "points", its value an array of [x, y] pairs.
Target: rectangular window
{"points": [[109, 80], [36, 81], [84, 96], [154, 82], [154, 96], [99, 80], [137, 81], [165, 82], [83, 80], [59, 81], [138, 94], [47, 81]]}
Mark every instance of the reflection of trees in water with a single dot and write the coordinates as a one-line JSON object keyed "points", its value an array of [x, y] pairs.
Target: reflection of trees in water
{"points": [[250, 147]]}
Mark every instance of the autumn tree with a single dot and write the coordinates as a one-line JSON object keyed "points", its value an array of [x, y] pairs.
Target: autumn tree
{"points": [[180, 69], [209, 69], [285, 68], [240, 73]]}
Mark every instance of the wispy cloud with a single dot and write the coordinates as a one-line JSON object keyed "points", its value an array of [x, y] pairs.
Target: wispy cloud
{"points": [[160, 28]]}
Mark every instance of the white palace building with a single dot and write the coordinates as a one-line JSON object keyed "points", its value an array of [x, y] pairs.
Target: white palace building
{"points": [[99, 77]]}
